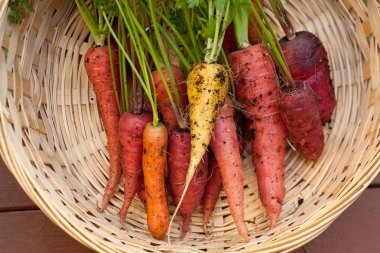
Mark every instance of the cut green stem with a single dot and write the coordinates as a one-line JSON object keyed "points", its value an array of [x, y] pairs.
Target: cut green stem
{"points": [[270, 40], [282, 16]]}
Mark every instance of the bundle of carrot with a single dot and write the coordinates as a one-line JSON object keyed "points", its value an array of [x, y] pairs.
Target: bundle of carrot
{"points": [[295, 111], [191, 98], [207, 88], [152, 140]]}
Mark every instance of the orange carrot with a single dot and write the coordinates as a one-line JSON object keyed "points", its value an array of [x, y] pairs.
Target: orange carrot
{"points": [[131, 134], [164, 105], [225, 146], [179, 151], [98, 68], [155, 140], [213, 188], [256, 91]]}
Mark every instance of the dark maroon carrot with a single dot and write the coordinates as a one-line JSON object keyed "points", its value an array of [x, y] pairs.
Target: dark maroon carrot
{"points": [[307, 60], [98, 68], [131, 128], [179, 152], [301, 114], [213, 188]]}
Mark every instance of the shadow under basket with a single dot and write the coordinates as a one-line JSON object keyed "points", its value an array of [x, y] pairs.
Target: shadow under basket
{"points": [[52, 140]]}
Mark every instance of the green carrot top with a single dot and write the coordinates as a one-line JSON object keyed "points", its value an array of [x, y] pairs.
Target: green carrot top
{"points": [[94, 17]]}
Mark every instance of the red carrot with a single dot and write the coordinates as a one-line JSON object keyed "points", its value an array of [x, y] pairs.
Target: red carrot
{"points": [[301, 114], [225, 146], [98, 68], [179, 151], [212, 190], [131, 129], [164, 104], [256, 91], [307, 61]]}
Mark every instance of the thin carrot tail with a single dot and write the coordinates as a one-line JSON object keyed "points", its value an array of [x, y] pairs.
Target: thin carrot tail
{"points": [[187, 184], [112, 184], [124, 210], [273, 217], [205, 221], [186, 219], [243, 231]]}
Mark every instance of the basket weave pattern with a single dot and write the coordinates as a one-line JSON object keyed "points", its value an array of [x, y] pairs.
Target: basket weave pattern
{"points": [[52, 139]]}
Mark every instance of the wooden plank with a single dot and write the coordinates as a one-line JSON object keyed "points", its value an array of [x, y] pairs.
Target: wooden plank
{"points": [[12, 197], [376, 181], [299, 250], [356, 230], [32, 232]]}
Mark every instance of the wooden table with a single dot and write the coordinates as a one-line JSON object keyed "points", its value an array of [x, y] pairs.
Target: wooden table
{"points": [[24, 228]]}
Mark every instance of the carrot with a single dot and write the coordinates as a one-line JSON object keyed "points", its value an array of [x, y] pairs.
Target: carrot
{"points": [[225, 146], [213, 188], [301, 114], [97, 64], [101, 64], [131, 129], [307, 61], [256, 91], [179, 151], [155, 140], [163, 101]]}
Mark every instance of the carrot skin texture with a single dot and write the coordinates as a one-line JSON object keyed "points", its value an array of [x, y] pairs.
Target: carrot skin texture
{"points": [[307, 60], [163, 100], [256, 91], [301, 115], [225, 146], [155, 141], [98, 69], [131, 129], [207, 88], [213, 188], [179, 151]]}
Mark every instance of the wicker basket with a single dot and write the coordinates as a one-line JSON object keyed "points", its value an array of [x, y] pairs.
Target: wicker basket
{"points": [[53, 142]]}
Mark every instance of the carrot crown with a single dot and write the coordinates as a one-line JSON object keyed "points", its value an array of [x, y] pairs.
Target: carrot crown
{"points": [[271, 42], [94, 17]]}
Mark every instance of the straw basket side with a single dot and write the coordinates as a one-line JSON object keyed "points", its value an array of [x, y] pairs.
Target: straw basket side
{"points": [[52, 140]]}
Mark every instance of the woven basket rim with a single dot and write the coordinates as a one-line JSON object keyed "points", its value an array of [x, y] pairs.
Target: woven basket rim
{"points": [[24, 151]]}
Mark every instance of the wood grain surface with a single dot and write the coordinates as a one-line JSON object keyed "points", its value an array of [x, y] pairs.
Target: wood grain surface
{"points": [[24, 228]]}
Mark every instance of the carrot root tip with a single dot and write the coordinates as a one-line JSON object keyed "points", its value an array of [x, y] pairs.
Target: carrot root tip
{"points": [[205, 228]]}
